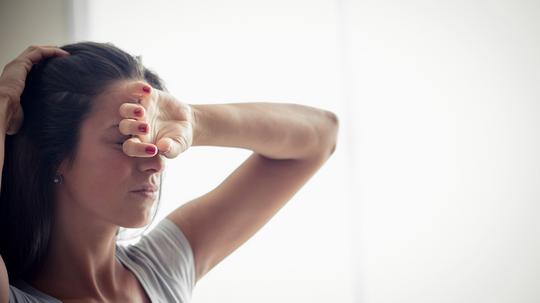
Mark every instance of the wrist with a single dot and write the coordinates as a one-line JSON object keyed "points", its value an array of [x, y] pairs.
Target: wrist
{"points": [[196, 114]]}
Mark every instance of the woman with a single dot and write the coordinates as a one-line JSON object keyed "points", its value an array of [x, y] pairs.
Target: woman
{"points": [[88, 127]]}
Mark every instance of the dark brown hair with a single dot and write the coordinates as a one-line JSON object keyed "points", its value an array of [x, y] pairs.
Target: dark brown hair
{"points": [[58, 95]]}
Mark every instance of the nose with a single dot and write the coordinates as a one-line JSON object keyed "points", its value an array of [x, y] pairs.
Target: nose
{"points": [[154, 164]]}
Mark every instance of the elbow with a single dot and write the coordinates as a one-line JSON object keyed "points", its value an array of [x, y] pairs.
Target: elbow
{"points": [[328, 134], [334, 131], [319, 141]]}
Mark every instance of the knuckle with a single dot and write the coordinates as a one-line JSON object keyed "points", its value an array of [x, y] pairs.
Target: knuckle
{"points": [[124, 126], [14, 62], [128, 148], [9, 64], [124, 109]]}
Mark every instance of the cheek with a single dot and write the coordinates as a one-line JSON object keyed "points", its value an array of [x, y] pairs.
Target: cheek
{"points": [[113, 163], [105, 181], [106, 170]]}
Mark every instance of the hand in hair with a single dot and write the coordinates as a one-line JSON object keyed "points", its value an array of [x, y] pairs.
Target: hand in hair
{"points": [[169, 122], [13, 79]]}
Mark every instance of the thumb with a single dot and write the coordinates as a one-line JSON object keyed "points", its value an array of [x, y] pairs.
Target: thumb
{"points": [[172, 147]]}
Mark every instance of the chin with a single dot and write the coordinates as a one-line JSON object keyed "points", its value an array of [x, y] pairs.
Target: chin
{"points": [[138, 222], [136, 216]]}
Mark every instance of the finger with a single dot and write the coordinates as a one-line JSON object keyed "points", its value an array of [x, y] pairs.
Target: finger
{"points": [[34, 54], [31, 47], [133, 127], [138, 88], [133, 147], [38, 53], [172, 147], [130, 110], [136, 92], [166, 147]]}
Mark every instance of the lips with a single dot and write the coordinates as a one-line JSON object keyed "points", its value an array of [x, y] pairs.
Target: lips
{"points": [[147, 188]]}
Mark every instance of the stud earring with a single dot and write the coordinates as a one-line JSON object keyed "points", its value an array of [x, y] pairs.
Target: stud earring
{"points": [[58, 178]]}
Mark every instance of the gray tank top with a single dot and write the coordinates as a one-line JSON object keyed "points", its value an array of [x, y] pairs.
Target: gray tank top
{"points": [[162, 261]]}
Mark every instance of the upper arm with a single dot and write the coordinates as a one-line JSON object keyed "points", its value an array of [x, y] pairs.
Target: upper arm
{"points": [[218, 222], [4, 282]]}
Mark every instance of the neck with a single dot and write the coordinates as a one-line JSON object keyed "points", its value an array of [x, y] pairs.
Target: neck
{"points": [[81, 260]]}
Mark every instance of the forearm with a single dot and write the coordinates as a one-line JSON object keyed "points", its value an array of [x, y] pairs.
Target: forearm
{"points": [[274, 130]]}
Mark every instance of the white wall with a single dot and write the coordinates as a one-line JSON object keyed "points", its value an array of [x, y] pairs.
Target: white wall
{"points": [[449, 167]]}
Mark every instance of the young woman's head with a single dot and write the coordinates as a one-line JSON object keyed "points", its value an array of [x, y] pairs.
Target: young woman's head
{"points": [[66, 163]]}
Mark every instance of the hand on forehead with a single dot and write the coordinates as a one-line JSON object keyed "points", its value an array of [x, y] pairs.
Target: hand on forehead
{"points": [[156, 120], [122, 106]]}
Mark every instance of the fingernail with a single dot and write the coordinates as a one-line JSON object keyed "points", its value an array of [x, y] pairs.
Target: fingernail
{"points": [[138, 112], [146, 89], [143, 128], [150, 150]]}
